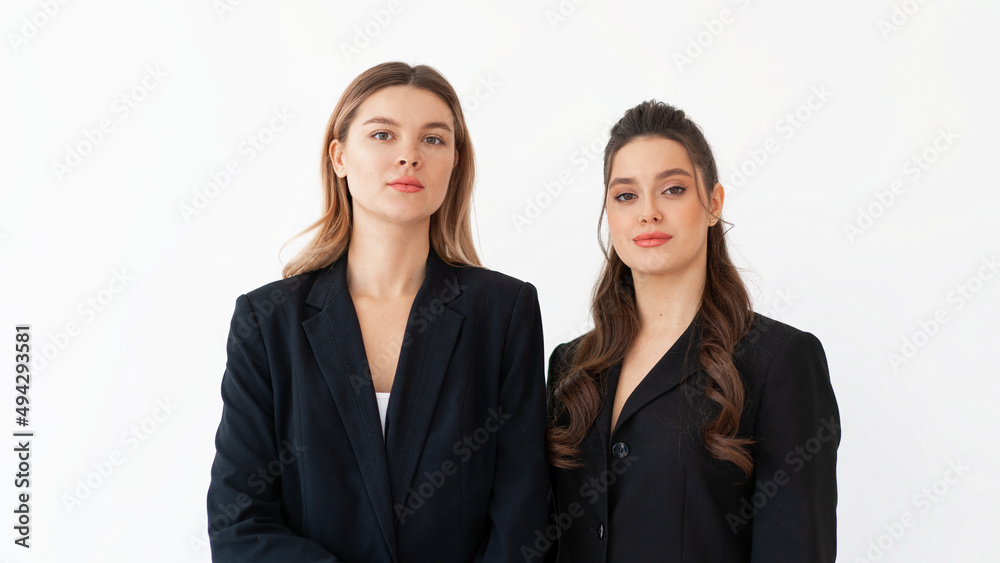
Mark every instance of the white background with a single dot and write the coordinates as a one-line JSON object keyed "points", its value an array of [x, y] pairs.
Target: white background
{"points": [[541, 82]]}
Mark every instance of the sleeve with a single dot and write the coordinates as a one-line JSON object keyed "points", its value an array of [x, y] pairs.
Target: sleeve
{"points": [[797, 434], [520, 484], [245, 522]]}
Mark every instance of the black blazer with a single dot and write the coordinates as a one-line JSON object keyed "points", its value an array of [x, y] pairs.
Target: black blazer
{"points": [[650, 491], [302, 472]]}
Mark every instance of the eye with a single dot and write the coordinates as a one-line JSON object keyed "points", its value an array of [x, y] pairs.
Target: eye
{"points": [[381, 135], [675, 190], [625, 196], [434, 140]]}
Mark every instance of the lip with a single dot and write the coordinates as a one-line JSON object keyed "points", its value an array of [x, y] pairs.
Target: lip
{"points": [[654, 238], [407, 184]]}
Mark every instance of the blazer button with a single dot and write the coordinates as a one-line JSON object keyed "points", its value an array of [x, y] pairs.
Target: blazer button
{"points": [[599, 530], [619, 450]]}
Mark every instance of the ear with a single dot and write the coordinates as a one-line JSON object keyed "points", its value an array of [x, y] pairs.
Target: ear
{"points": [[715, 204], [336, 153]]}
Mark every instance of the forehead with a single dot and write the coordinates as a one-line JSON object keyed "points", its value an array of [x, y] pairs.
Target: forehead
{"points": [[405, 104], [649, 156]]}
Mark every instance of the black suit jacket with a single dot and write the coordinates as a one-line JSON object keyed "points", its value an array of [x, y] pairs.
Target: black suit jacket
{"points": [[302, 472], [650, 491]]}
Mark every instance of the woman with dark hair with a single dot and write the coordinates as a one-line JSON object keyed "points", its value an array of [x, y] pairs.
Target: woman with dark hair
{"points": [[385, 401], [685, 427]]}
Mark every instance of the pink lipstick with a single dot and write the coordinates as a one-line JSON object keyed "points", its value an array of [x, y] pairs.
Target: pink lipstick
{"points": [[654, 238], [406, 184]]}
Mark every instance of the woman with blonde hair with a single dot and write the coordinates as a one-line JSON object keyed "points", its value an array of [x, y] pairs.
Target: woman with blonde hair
{"points": [[385, 401], [685, 427]]}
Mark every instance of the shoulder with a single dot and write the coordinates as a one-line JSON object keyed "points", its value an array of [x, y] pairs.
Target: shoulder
{"points": [[491, 293], [285, 288], [768, 338], [563, 353], [561, 356], [284, 294], [774, 349], [791, 391], [481, 281]]}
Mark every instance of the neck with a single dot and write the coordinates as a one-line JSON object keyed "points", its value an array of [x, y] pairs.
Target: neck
{"points": [[668, 302], [387, 260]]}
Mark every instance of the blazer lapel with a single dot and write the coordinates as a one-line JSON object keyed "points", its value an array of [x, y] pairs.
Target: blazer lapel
{"points": [[680, 361], [431, 333], [335, 336], [603, 422]]}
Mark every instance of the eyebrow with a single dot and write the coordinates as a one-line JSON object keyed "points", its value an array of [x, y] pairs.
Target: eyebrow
{"points": [[393, 123], [660, 176]]}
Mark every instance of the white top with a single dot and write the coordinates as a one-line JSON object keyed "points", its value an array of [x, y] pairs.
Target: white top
{"points": [[383, 406]]}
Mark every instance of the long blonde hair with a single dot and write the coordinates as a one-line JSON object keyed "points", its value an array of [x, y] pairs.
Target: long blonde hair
{"points": [[450, 226]]}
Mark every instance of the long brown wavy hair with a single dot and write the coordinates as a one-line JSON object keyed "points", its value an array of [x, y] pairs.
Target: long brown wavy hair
{"points": [[450, 226], [724, 317]]}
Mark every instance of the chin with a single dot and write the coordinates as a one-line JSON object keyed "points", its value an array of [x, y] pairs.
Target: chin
{"points": [[652, 267], [406, 216]]}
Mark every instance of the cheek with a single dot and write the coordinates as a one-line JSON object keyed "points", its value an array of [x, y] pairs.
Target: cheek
{"points": [[358, 166], [618, 223], [691, 216], [619, 233], [443, 167]]}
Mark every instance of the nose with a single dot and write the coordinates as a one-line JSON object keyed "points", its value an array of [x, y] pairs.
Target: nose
{"points": [[410, 155], [649, 212]]}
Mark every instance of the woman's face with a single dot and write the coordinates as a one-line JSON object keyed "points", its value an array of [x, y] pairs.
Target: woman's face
{"points": [[658, 223], [398, 155]]}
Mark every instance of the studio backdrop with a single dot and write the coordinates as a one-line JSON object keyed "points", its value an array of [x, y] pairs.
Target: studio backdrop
{"points": [[158, 155]]}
